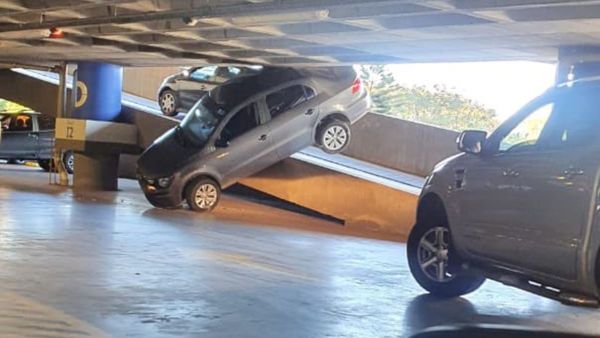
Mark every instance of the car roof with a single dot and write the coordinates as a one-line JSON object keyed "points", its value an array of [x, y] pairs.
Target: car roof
{"points": [[241, 88]]}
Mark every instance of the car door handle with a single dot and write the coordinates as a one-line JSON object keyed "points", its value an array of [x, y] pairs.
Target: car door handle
{"points": [[572, 172], [310, 111], [262, 138], [34, 135], [510, 173]]}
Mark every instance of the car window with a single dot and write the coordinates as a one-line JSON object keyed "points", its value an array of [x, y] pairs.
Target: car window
{"points": [[5, 120], [288, 98], [46, 122], [528, 131], [243, 121], [20, 123], [578, 118], [234, 71], [204, 73]]}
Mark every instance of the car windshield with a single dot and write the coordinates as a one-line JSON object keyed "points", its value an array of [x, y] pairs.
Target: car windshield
{"points": [[201, 121]]}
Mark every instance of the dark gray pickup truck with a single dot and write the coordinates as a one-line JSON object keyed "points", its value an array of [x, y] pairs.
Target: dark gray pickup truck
{"points": [[28, 135]]}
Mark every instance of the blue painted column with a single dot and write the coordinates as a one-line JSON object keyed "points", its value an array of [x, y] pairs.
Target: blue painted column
{"points": [[99, 87]]}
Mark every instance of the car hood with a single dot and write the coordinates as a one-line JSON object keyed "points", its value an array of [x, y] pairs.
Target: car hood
{"points": [[166, 156]]}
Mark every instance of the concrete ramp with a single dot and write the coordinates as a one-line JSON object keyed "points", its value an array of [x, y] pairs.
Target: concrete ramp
{"points": [[365, 196]]}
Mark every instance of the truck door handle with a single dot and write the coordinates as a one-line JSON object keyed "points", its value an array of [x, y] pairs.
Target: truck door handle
{"points": [[510, 173], [34, 135], [262, 138], [310, 111], [572, 172]]}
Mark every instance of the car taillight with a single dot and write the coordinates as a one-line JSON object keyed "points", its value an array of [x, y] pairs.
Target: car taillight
{"points": [[356, 86]]}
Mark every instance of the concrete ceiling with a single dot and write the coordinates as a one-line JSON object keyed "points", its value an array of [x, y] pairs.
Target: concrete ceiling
{"points": [[293, 32]]}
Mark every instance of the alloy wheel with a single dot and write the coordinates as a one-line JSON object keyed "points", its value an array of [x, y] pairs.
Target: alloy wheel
{"points": [[70, 162], [335, 138], [167, 103], [433, 254], [206, 196]]}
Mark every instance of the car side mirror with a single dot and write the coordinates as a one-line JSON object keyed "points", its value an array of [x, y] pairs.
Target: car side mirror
{"points": [[471, 141], [222, 143]]}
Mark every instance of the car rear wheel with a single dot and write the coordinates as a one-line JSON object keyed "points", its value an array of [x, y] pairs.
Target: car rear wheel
{"points": [[435, 265], [203, 195], [334, 136], [168, 102], [68, 160]]}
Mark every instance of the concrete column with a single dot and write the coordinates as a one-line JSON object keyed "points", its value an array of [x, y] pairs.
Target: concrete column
{"points": [[99, 87], [576, 62], [95, 172]]}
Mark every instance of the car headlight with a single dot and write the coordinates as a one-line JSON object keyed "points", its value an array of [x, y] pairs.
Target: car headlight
{"points": [[164, 182], [150, 181]]}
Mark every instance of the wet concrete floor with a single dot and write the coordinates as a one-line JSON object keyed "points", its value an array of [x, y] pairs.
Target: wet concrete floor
{"points": [[111, 265]]}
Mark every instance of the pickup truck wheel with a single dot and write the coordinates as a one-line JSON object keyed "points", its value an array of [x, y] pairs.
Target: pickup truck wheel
{"points": [[69, 161], [46, 165], [435, 265], [203, 195], [334, 136], [168, 102]]}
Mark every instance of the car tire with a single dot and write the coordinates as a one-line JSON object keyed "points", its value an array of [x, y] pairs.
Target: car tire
{"points": [[168, 102], [455, 280], [334, 136], [203, 195], [46, 165], [69, 161]]}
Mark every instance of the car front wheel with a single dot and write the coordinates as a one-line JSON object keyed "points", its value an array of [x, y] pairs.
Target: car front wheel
{"points": [[203, 195], [334, 136], [435, 265], [168, 102]]}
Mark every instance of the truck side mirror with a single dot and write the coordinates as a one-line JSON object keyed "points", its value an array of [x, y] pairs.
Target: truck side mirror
{"points": [[471, 141]]}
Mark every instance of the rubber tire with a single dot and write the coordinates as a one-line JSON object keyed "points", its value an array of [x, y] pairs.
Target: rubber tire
{"points": [[328, 124], [191, 192], [65, 160], [164, 92], [462, 284], [46, 165]]}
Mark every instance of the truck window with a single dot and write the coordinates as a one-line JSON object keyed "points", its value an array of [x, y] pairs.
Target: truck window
{"points": [[577, 118], [527, 132], [20, 123]]}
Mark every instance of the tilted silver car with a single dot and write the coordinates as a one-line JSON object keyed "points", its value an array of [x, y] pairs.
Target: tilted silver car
{"points": [[246, 125], [520, 206]]}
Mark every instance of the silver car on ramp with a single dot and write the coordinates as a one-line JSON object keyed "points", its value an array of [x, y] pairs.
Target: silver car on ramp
{"points": [[246, 125], [520, 206]]}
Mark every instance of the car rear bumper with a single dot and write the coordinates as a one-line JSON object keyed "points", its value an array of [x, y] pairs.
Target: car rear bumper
{"points": [[359, 109]]}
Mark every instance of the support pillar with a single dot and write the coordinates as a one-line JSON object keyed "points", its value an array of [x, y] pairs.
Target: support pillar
{"points": [[99, 87], [576, 62]]}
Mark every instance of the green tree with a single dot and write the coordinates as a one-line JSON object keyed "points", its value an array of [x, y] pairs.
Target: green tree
{"points": [[436, 106]]}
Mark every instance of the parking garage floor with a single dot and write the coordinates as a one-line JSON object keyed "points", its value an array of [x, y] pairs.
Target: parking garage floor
{"points": [[108, 264]]}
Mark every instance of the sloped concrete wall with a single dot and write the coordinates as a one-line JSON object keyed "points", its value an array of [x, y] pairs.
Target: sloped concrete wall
{"points": [[144, 81], [399, 144], [363, 205]]}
